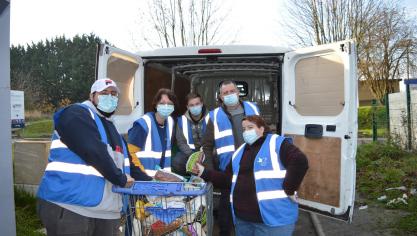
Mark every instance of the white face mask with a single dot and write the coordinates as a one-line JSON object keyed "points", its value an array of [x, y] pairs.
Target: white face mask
{"points": [[196, 110], [107, 103], [250, 136], [231, 99], [165, 109]]}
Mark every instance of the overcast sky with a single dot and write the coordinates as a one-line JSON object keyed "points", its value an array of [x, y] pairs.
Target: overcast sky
{"points": [[256, 21]]}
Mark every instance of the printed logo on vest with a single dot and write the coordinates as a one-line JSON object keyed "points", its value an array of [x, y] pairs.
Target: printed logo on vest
{"points": [[263, 161]]}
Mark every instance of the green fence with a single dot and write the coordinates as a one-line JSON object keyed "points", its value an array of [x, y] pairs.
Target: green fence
{"points": [[374, 121]]}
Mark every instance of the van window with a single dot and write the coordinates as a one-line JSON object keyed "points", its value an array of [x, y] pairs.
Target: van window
{"points": [[319, 86], [243, 88], [123, 71]]}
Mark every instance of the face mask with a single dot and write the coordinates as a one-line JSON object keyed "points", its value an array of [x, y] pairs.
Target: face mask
{"points": [[231, 99], [164, 110], [196, 110], [107, 103], [250, 136]]}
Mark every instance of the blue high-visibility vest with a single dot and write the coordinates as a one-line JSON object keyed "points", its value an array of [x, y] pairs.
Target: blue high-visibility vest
{"points": [[68, 178], [186, 126], [275, 206], [223, 133], [151, 155]]}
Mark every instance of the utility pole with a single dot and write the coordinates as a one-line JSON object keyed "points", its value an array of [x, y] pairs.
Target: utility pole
{"points": [[7, 211]]}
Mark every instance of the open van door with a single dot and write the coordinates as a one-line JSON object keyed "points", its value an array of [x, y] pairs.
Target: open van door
{"points": [[126, 69], [319, 102]]}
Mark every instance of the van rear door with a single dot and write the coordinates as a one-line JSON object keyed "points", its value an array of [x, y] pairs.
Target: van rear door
{"points": [[319, 102], [126, 69]]}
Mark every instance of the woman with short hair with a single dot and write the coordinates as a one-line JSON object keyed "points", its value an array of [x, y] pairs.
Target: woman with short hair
{"points": [[149, 139], [263, 177]]}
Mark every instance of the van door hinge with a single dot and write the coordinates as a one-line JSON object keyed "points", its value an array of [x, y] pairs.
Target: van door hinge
{"points": [[342, 47], [346, 48]]}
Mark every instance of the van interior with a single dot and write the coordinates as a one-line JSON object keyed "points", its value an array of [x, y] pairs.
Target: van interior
{"points": [[257, 77]]}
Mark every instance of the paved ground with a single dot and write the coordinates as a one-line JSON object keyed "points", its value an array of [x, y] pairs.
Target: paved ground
{"points": [[368, 222]]}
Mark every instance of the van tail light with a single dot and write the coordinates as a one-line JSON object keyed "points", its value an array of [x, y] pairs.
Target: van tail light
{"points": [[209, 50]]}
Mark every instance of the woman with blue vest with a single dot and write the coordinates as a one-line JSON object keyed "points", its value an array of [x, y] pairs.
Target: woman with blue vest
{"points": [[87, 157], [150, 138], [263, 177], [190, 131]]}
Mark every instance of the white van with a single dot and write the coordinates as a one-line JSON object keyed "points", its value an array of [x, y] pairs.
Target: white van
{"points": [[309, 94]]}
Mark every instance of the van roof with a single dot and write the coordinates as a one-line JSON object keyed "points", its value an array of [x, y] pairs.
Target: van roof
{"points": [[225, 50]]}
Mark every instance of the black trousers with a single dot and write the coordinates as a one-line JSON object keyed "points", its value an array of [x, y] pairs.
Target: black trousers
{"points": [[225, 219], [60, 221]]}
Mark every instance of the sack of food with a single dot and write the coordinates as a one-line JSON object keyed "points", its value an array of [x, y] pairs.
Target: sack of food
{"points": [[166, 176]]}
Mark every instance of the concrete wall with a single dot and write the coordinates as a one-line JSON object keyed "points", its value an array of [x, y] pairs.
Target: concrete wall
{"points": [[366, 96], [398, 117], [30, 159]]}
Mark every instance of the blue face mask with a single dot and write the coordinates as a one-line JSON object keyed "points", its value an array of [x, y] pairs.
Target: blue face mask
{"points": [[231, 99], [250, 136], [164, 110], [196, 110], [107, 103]]}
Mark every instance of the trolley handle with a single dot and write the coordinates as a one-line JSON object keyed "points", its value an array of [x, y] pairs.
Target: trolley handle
{"points": [[163, 188]]}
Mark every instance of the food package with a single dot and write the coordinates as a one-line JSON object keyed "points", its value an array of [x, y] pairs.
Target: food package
{"points": [[166, 176], [194, 158]]}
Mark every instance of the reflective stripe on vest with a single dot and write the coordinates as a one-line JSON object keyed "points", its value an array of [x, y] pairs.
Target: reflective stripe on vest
{"points": [[223, 133], [185, 125], [151, 155], [68, 179], [275, 207], [187, 132]]}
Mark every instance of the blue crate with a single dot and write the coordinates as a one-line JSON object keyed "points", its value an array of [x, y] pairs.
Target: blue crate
{"points": [[153, 188]]}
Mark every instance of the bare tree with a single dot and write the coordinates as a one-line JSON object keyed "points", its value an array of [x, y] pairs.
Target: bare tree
{"points": [[172, 23], [384, 37], [386, 50], [325, 21]]}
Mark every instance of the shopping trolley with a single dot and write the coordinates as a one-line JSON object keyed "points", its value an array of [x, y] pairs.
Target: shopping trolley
{"points": [[169, 208]]}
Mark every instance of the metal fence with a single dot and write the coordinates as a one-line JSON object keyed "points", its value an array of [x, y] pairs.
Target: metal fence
{"points": [[374, 120]]}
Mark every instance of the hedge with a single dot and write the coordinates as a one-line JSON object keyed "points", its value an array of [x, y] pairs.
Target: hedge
{"points": [[365, 117]]}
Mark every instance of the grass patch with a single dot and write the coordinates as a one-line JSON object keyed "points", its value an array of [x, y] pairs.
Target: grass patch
{"points": [[27, 222], [386, 165], [367, 133], [37, 129], [36, 115]]}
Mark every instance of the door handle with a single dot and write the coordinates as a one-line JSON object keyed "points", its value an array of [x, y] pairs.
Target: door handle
{"points": [[313, 131]]}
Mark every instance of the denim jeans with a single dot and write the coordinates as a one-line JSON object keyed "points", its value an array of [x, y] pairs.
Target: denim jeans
{"points": [[246, 228]]}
